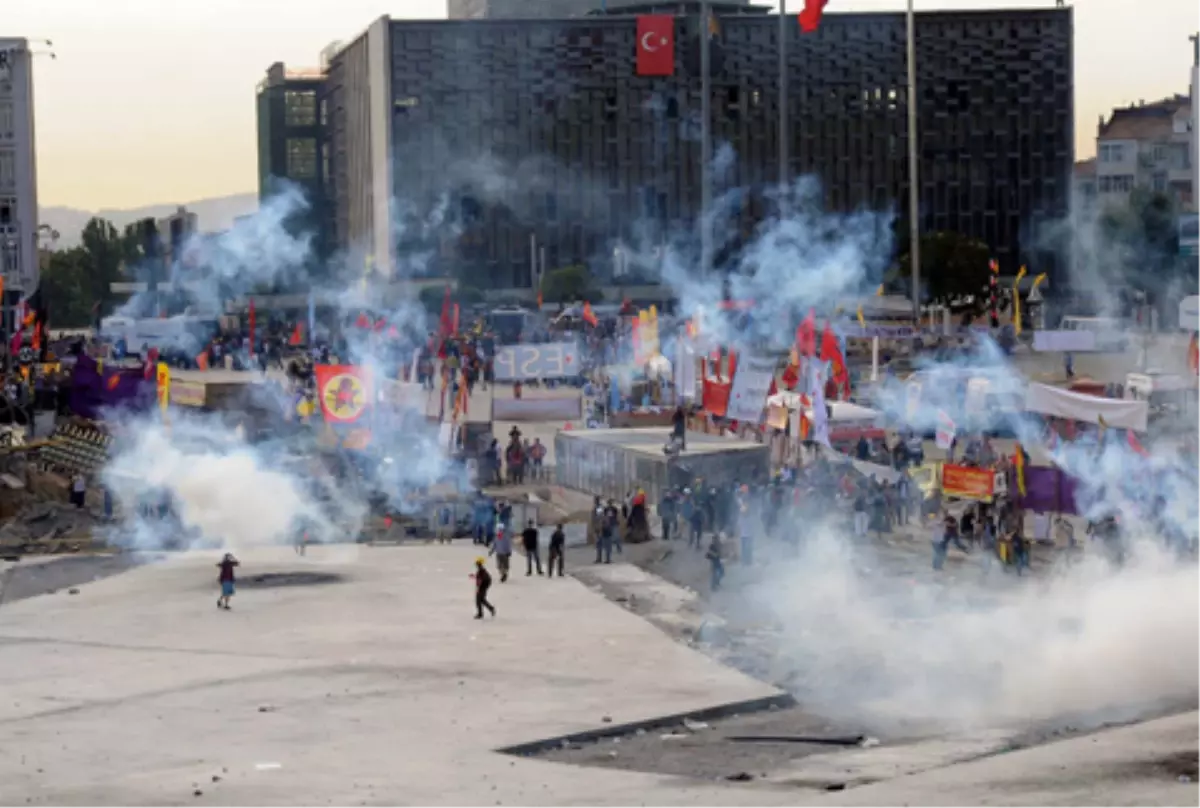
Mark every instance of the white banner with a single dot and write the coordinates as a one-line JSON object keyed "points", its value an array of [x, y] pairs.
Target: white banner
{"points": [[1059, 403], [685, 372], [945, 431], [1081, 341], [751, 384], [556, 360]]}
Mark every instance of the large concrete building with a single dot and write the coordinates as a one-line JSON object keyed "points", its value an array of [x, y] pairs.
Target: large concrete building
{"points": [[18, 170], [291, 143], [477, 144]]}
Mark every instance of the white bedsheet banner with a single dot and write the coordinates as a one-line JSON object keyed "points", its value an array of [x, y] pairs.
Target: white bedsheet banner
{"points": [[1059, 403], [751, 384]]}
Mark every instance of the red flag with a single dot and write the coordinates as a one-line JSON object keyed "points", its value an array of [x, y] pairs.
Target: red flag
{"points": [[539, 299], [1135, 444], [297, 335], [454, 320], [810, 17], [251, 319], [362, 321], [806, 335], [589, 316], [831, 352], [655, 45], [344, 392], [1193, 354]]}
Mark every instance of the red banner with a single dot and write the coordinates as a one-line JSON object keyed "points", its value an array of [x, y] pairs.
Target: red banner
{"points": [[344, 392], [966, 482], [716, 397], [655, 45]]}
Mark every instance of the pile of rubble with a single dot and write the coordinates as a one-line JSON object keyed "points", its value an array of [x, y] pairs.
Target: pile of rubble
{"points": [[47, 526]]}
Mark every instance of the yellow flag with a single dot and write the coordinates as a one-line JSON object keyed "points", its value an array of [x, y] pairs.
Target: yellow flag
{"points": [[1017, 301], [861, 320], [879, 291], [163, 377], [1037, 280]]}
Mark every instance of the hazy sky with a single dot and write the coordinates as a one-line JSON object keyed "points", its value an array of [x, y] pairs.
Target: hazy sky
{"points": [[152, 101]]}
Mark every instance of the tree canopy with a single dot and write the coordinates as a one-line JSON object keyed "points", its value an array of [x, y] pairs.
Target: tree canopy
{"points": [[952, 266]]}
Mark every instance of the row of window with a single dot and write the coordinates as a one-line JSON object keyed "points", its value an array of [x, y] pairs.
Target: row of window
{"points": [[301, 108], [1112, 152], [1118, 183]]}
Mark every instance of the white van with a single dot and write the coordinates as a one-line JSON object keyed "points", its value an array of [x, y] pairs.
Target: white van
{"points": [[1109, 332]]}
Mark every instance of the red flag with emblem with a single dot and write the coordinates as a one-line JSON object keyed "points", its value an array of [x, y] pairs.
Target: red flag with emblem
{"points": [[831, 352], [589, 316], [344, 392], [655, 45]]}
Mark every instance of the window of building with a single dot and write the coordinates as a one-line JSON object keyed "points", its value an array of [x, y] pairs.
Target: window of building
{"points": [[1160, 182], [1158, 153], [324, 112], [1112, 152], [1116, 183], [8, 120], [302, 158], [300, 108], [8, 170]]}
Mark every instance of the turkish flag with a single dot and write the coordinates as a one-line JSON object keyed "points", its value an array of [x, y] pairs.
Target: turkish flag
{"points": [[655, 45], [810, 17]]}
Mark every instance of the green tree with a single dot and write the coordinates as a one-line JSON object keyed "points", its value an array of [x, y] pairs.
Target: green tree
{"points": [[64, 286], [104, 249], [567, 285], [953, 266]]}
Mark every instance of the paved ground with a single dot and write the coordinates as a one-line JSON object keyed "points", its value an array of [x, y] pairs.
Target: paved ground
{"points": [[372, 685]]}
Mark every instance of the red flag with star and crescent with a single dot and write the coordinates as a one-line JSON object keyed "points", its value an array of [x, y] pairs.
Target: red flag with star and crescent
{"points": [[344, 392]]}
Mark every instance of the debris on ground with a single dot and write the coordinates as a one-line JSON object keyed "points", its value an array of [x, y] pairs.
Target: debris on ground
{"points": [[740, 777], [694, 726]]}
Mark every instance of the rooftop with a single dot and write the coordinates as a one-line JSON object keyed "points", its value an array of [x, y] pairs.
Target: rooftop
{"points": [[1142, 121]]}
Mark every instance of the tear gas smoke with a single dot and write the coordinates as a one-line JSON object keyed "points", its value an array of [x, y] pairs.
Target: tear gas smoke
{"points": [[222, 490], [799, 257]]}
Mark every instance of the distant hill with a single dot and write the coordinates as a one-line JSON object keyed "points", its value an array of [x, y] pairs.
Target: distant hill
{"points": [[214, 215]]}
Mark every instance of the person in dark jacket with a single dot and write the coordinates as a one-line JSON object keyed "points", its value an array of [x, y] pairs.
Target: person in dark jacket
{"points": [[529, 539], [483, 582], [558, 544]]}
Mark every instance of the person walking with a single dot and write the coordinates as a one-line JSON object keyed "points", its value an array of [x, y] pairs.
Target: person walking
{"points": [[558, 545], [502, 549], [483, 582], [604, 536], [226, 579], [529, 539], [667, 512]]}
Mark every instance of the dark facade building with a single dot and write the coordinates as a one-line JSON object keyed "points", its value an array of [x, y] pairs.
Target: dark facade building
{"points": [[291, 143], [466, 142]]}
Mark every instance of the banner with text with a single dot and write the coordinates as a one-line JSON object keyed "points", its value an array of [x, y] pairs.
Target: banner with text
{"points": [[966, 482], [520, 363]]}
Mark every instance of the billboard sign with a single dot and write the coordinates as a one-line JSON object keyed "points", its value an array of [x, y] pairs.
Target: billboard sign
{"points": [[1189, 234], [520, 363]]}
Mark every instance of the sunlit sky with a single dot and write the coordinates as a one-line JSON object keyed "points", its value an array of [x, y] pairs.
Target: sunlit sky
{"points": [[152, 101]]}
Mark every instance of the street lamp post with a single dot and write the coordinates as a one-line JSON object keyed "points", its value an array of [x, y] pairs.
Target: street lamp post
{"points": [[914, 196]]}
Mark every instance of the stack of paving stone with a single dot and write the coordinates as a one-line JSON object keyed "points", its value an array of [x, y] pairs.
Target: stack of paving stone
{"points": [[75, 449]]}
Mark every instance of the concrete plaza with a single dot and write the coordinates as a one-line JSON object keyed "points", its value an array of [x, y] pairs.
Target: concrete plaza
{"points": [[365, 680]]}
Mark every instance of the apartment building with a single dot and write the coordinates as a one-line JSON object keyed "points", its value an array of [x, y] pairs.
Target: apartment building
{"points": [[1149, 146]]}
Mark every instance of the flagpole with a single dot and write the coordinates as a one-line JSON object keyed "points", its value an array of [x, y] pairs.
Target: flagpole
{"points": [[914, 225], [705, 140], [783, 100]]}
